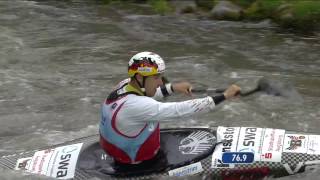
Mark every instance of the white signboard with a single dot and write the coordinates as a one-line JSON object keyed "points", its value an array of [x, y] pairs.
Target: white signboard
{"points": [[23, 163], [272, 145], [228, 137], [295, 143], [313, 144], [250, 140], [40, 161], [266, 144], [59, 162]]}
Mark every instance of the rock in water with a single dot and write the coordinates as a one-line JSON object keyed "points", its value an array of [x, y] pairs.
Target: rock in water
{"points": [[225, 10]]}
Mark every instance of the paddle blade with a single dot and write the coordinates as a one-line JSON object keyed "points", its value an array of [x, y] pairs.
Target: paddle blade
{"points": [[278, 88]]}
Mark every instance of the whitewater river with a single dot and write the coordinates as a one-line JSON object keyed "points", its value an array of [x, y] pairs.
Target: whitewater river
{"points": [[59, 60]]}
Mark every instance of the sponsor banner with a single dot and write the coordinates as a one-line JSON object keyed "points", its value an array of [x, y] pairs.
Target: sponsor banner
{"points": [[250, 140], [187, 170], [295, 143], [59, 162], [40, 161], [23, 163], [266, 144], [238, 157], [313, 144], [65, 164], [272, 145], [217, 158], [228, 138]]}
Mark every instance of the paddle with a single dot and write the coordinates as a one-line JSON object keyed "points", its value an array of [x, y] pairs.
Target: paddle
{"points": [[208, 90], [262, 85]]}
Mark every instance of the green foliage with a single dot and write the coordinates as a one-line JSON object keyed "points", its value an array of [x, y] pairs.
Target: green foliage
{"points": [[160, 6], [243, 3], [306, 15], [269, 7], [306, 9], [262, 9], [252, 12], [297, 14]]}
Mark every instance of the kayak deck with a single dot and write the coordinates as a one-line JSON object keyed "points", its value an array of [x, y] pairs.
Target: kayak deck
{"points": [[176, 151], [183, 151]]}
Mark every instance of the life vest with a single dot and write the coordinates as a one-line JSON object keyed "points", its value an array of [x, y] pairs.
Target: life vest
{"points": [[123, 148]]}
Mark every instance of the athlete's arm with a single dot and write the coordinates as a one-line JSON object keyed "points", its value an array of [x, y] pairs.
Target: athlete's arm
{"points": [[144, 109], [163, 91], [169, 88]]}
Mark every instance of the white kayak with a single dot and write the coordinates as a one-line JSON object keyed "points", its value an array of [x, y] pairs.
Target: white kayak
{"points": [[220, 152]]}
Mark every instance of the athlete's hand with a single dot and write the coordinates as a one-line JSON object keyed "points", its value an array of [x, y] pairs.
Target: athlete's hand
{"points": [[231, 91], [182, 87]]}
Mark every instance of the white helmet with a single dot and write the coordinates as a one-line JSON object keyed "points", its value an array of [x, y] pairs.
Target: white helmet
{"points": [[146, 64]]}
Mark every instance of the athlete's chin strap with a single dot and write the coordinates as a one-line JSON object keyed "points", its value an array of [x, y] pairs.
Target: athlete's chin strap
{"points": [[143, 83]]}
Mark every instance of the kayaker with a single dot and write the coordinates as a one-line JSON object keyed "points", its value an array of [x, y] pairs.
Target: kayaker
{"points": [[129, 127]]}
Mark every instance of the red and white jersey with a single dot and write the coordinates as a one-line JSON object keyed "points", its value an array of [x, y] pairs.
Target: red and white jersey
{"points": [[129, 126]]}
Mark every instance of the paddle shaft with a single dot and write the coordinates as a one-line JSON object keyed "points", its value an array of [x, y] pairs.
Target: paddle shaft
{"points": [[263, 84], [222, 90], [208, 90]]}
